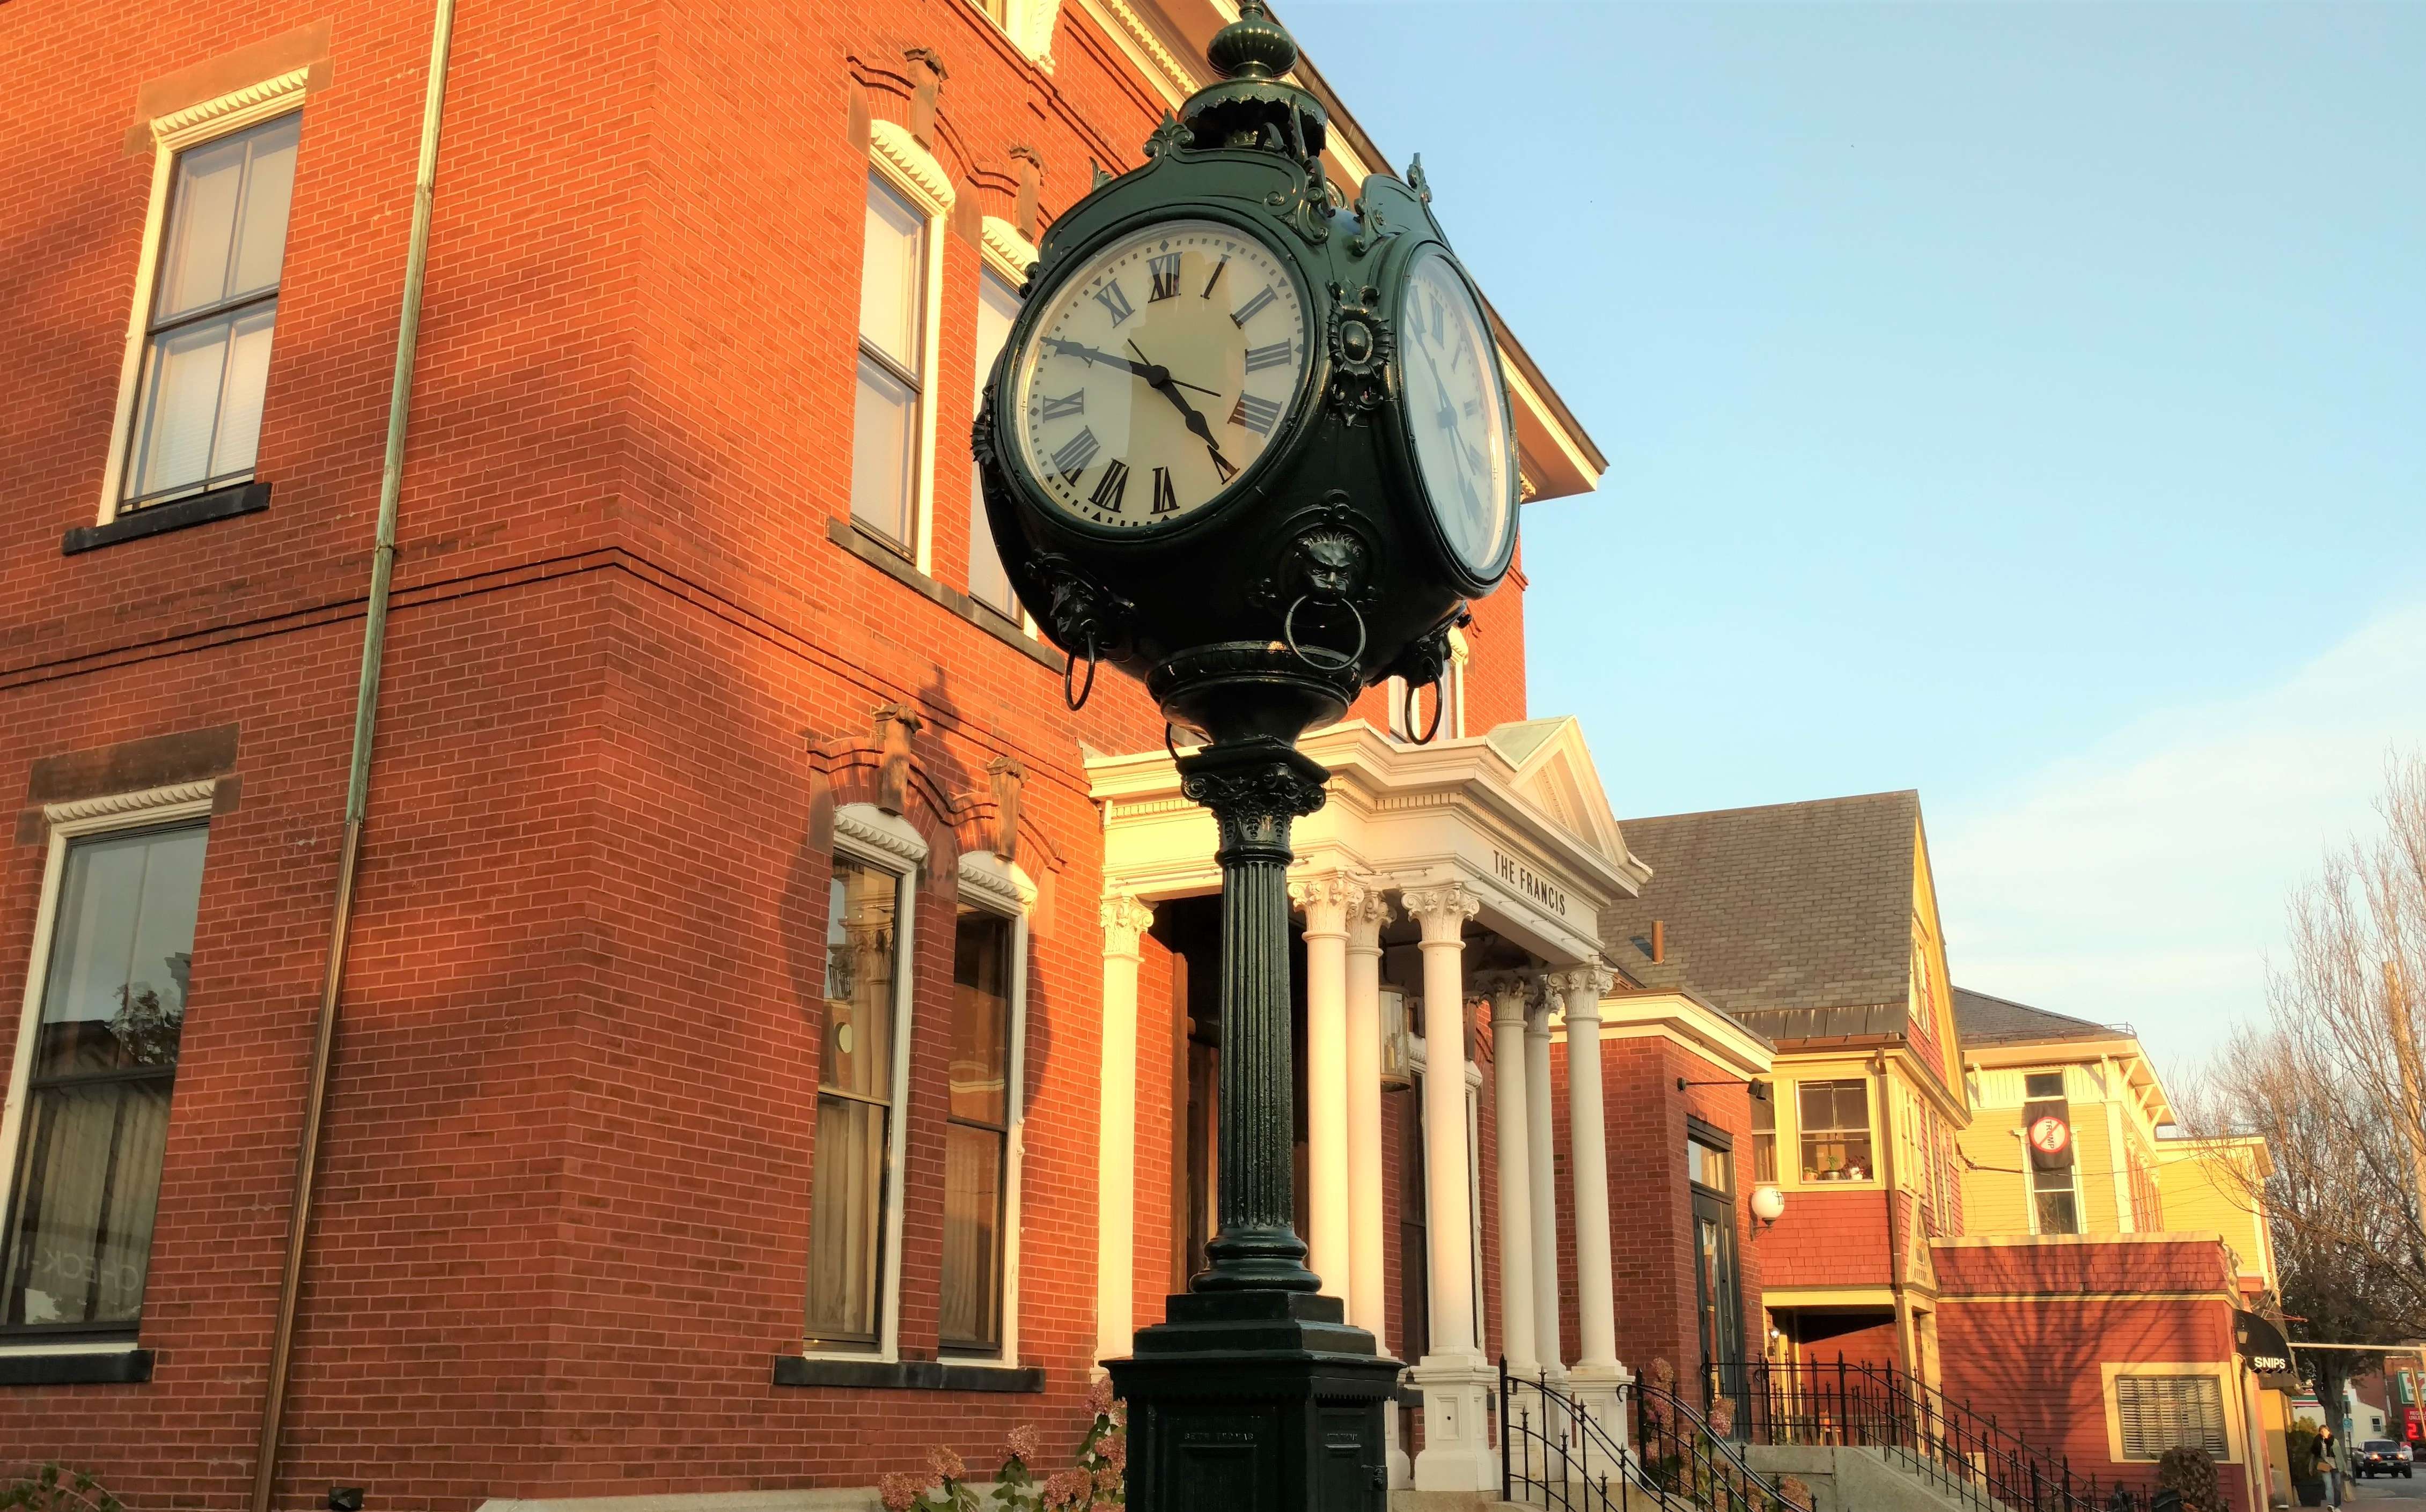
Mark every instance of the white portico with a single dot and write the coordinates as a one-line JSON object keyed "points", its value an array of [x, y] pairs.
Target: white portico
{"points": [[1466, 872]]}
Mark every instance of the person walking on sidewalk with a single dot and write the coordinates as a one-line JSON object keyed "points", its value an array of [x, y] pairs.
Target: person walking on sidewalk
{"points": [[2329, 1465]]}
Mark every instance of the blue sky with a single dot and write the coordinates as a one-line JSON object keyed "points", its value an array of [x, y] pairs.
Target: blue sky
{"points": [[2023, 402]]}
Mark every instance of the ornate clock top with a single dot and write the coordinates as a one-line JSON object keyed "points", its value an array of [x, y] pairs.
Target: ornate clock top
{"points": [[1254, 105]]}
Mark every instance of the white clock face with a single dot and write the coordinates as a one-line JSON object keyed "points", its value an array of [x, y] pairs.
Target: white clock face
{"points": [[1157, 373], [1454, 409]]}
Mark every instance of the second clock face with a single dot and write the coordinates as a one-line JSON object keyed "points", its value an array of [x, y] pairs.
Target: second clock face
{"points": [[1157, 373]]}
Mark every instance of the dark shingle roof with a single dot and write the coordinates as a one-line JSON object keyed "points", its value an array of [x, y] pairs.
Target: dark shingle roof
{"points": [[1796, 918], [1982, 1019]]}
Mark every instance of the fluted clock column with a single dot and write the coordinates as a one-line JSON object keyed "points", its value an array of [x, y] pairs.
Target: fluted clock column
{"points": [[1255, 1390]]}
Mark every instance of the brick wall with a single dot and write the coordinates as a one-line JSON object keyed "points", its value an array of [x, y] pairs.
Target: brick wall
{"points": [[561, 1228]]}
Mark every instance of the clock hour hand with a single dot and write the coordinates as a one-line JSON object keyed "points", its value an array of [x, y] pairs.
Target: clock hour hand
{"points": [[1169, 388], [1155, 376]]}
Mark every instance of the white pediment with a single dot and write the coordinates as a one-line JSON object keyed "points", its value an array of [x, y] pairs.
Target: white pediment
{"points": [[1555, 774]]}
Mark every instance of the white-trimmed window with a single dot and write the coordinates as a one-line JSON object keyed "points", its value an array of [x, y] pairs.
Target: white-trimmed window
{"points": [[863, 1085], [978, 1281], [1834, 1121], [997, 307], [86, 1117], [885, 471], [901, 272], [2161, 1412], [197, 360]]}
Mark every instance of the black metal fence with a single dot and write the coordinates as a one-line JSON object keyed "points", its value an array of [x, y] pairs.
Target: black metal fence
{"points": [[1945, 1442], [1659, 1454]]}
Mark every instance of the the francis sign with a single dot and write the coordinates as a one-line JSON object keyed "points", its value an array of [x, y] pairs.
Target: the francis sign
{"points": [[1529, 883]]}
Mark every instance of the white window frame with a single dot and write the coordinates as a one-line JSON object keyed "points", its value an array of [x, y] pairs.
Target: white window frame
{"points": [[908, 168], [867, 835], [2222, 1374], [71, 822], [1000, 887], [2030, 1191], [171, 135]]}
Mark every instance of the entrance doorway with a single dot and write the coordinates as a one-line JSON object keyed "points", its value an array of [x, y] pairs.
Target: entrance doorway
{"points": [[1718, 1292]]}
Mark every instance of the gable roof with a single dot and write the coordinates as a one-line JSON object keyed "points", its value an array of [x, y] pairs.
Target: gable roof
{"points": [[1554, 771], [1983, 1019], [1796, 918]]}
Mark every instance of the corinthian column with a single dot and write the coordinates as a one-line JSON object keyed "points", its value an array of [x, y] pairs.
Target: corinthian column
{"points": [[1125, 920], [1325, 901], [1367, 1305], [1597, 1376], [1455, 1376], [1541, 1158], [1510, 993]]}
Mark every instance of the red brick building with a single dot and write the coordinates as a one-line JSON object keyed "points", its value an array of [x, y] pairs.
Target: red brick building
{"points": [[771, 1031], [2104, 1348]]}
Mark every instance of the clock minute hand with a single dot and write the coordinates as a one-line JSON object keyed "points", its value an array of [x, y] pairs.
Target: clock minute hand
{"points": [[1144, 370]]}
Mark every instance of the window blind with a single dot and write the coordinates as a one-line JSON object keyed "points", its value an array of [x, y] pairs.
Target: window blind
{"points": [[2159, 1412]]}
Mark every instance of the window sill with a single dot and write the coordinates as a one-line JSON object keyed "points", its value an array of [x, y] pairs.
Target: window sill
{"points": [[889, 562], [907, 1374], [159, 519], [88, 1367]]}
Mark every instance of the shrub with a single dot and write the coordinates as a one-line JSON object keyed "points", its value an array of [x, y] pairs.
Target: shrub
{"points": [[54, 1488], [1097, 1479], [2191, 1473]]}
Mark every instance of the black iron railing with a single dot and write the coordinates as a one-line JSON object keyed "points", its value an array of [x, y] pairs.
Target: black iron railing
{"points": [[1913, 1425], [1659, 1454]]}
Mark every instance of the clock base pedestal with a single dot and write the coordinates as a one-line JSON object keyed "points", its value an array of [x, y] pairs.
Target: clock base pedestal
{"points": [[1256, 1401]]}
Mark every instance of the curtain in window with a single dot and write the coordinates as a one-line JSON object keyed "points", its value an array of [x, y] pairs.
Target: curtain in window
{"points": [[846, 1196], [87, 1177], [977, 1132]]}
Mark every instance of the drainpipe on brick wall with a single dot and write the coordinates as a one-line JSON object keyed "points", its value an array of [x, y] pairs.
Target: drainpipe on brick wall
{"points": [[358, 781]]}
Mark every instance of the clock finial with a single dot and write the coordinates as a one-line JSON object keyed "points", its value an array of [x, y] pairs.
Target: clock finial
{"points": [[1252, 104]]}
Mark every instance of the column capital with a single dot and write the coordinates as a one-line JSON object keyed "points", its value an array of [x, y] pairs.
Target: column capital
{"points": [[1442, 911], [1367, 916], [1329, 900], [1125, 920], [1513, 994], [1581, 985]]}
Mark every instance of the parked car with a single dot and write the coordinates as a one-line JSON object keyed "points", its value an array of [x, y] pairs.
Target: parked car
{"points": [[2382, 1456]]}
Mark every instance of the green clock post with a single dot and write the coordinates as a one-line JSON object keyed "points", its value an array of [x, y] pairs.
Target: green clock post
{"points": [[1249, 442]]}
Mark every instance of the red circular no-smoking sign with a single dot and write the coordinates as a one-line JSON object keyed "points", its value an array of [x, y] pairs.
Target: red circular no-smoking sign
{"points": [[2050, 1134]]}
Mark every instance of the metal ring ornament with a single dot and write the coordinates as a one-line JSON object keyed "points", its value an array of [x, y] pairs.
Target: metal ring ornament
{"points": [[1288, 633], [1407, 712], [1088, 690]]}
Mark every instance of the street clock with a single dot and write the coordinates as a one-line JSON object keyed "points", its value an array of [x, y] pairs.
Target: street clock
{"points": [[1248, 440]]}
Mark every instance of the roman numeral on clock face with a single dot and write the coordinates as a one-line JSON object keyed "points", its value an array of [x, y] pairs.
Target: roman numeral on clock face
{"points": [[1165, 272], [1255, 414], [1115, 484], [1259, 358], [1071, 457], [1115, 303], [1251, 308], [1166, 498], [1216, 278], [1066, 406]]}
